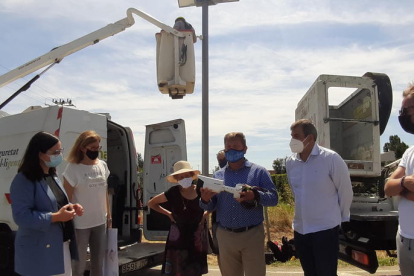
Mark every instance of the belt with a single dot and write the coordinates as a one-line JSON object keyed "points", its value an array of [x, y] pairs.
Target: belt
{"points": [[239, 230]]}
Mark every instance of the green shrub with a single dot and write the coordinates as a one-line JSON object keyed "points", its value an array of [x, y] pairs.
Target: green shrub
{"points": [[283, 188]]}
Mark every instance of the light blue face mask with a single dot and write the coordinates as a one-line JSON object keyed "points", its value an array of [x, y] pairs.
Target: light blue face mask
{"points": [[55, 161], [234, 155]]}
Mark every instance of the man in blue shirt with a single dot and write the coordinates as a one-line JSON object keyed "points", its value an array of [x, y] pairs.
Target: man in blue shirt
{"points": [[221, 158], [240, 233]]}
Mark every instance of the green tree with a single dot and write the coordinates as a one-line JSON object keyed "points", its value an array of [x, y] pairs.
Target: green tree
{"points": [[279, 165], [216, 168], [140, 169], [140, 162], [396, 145]]}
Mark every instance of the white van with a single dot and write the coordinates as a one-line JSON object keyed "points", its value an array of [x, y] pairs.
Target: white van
{"points": [[118, 150]]}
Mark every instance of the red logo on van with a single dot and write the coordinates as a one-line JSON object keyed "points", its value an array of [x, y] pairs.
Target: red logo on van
{"points": [[156, 159], [8, 197]]}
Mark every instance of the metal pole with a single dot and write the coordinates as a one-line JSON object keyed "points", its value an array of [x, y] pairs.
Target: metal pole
{"points": [[204, 133]]}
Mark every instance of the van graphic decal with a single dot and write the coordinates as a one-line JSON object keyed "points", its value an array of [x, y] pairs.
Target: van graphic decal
{"points": [[9, 152], [156, 159], [6, 155]]}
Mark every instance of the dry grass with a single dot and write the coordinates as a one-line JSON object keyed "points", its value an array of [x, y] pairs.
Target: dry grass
{"points": [[280, 222], [280, 225]]}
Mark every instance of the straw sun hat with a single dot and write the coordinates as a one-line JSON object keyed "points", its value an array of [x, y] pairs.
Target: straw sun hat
{"points": [[182, 167]]}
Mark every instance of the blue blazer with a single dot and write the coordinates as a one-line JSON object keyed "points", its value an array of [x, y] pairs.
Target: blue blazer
{"points": [[39, 242]]}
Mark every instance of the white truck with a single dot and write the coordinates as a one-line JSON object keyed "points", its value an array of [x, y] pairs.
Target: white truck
{"points": [[165, 144], [118, 150], [352, 128]]}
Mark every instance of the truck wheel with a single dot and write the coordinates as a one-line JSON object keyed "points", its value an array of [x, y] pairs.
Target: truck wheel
{"points": [[6, 253], [384, 97]]}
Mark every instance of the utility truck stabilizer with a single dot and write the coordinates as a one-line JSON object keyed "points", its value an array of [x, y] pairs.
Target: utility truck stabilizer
{"points": [[352, 128]]}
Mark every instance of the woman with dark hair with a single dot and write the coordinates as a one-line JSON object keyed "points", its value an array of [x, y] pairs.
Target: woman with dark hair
{"points": [[45, 240], [85, 180]]}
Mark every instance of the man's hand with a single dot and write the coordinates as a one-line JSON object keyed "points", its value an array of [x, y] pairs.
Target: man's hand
{"points": [[409, 183], [247, 195], [206, 194], [408, 195]]}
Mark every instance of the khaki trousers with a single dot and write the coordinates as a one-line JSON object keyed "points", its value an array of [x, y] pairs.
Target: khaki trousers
{"points": [[242, 253]]}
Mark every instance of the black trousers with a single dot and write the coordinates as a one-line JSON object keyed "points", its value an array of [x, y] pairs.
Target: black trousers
{"points": [[318, 252]]}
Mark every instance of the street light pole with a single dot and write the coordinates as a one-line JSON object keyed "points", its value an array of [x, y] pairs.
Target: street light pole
{"points": [[204, 91]]}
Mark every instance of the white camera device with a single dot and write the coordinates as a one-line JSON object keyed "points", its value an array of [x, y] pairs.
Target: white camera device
{"points": [[217, 185]]}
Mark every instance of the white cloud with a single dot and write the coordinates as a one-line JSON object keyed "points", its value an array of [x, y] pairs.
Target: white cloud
{"points": [[264, 55]]}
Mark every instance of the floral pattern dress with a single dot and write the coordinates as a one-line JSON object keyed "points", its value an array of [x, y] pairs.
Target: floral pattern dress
{"points": [[186, 246]]}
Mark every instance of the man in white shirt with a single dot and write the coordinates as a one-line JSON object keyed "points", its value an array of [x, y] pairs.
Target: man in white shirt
{"points": [[322, 188], [401, 183]]}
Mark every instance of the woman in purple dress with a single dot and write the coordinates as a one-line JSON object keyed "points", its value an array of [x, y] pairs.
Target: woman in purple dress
{"points": [[186, 246]]}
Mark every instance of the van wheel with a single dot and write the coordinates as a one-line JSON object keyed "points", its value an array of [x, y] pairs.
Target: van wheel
{"points": [[6, 253]]}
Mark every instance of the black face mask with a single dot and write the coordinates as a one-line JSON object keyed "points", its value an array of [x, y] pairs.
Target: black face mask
{"points": [[406, 124], [92, 154]]}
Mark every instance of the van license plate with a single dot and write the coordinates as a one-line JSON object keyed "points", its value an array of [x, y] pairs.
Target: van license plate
{"points": [[134, 266]]}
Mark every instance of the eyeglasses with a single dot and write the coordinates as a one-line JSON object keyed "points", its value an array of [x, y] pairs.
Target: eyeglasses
{"points": [[56, 152], [404, 110], [94, 148]]}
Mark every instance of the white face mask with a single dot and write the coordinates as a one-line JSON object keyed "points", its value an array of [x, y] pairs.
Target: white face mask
{"points": [[296, 146], [186, 182]]}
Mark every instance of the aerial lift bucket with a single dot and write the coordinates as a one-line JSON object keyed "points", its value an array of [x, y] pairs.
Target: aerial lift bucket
{"points": [[175, 64]]}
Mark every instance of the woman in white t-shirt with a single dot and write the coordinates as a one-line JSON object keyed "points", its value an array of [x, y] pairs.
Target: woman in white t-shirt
{"points": [[85, 181]]}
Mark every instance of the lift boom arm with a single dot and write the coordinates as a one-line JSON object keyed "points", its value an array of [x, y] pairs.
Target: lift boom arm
{"points": [[58, 53]]}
